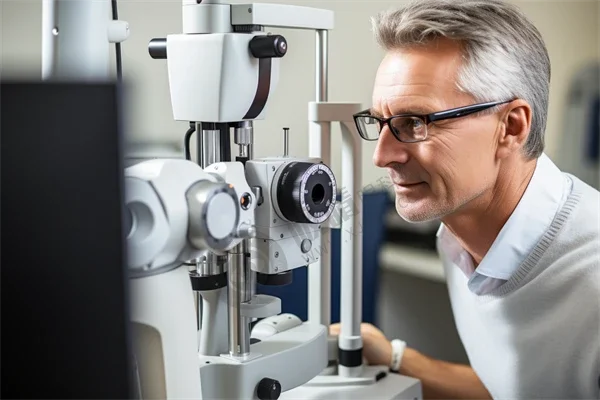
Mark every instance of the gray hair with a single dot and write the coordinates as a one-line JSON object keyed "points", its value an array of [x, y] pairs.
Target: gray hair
{"points": [[505, 55]]}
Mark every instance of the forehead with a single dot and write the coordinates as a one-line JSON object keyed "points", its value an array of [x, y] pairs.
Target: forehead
{"points": [[422, 77]]}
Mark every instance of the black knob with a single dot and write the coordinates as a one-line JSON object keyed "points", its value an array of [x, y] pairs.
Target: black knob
{"points": [[306, 193], [268, 389], [272, 46], [158, 48]]}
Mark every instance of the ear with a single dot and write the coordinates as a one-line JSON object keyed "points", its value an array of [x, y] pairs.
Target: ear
{"points": [[514, 128]]}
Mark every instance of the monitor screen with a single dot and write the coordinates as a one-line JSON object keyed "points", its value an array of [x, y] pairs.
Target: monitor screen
{"points": [[64, 286]]}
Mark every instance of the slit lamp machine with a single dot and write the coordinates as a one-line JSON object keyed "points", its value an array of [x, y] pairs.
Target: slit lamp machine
{"points": [[202, 234]]}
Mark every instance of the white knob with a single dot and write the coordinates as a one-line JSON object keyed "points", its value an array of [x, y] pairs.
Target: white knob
{"points": [[118, 31]]}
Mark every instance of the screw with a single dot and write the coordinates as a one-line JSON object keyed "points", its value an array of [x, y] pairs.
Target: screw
{"points": [[276, 269], [276, 256], [249, 10], [281, 236], [273, 168], [274, 221], [55, 31]]}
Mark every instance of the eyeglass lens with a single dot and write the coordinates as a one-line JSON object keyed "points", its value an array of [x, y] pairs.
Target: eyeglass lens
{"points": [[406, 129]]}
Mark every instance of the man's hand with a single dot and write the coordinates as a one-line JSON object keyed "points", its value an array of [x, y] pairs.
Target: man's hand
{"points": [[440, 379], [377, 349]]}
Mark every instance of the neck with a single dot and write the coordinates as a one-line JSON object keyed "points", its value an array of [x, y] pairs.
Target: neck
{"points": [[477, 224]]}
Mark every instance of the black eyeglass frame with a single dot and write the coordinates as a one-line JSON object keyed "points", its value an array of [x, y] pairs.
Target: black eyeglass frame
{"points": [[426, 118]]}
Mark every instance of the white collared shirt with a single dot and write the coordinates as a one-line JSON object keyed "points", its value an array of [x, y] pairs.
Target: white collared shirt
{"points": [[545, 194]]}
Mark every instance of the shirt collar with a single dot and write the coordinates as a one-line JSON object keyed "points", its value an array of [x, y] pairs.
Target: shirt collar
{"points": [[517, 238]]}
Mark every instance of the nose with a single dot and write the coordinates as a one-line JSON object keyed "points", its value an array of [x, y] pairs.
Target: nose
{"points": [[389, 150]]}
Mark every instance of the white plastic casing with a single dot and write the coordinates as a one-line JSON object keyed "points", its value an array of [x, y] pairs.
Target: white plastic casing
{"points": [[277, 246], [155, 195], [275, 324], [282, 16], [215, 78], [234, 174], [118, 31]]}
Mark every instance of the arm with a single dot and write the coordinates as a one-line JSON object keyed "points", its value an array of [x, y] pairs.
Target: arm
{"points": [[442, 380]]}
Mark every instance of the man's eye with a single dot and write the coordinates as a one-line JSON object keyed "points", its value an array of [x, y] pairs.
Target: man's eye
{"points": [[417, 123]]}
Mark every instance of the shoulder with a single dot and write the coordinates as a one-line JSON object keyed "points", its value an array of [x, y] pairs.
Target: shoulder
{"points": [[580, 214], [574, 236]]}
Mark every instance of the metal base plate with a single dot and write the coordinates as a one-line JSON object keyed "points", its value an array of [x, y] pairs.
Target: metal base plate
{"points": [[248, 357], [390, 387]]}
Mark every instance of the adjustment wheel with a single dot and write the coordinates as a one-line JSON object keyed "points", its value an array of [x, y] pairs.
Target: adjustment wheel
{"points": [[268, 389], [305, 193]]}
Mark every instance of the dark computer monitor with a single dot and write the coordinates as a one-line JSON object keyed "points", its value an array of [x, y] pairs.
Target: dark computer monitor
{"points": [[64, 287]]}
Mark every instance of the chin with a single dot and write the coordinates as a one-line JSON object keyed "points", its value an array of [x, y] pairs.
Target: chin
{"points": [[416, 213]]}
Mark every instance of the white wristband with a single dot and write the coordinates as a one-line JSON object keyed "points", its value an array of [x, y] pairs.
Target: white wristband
{"points": [[398, 347]]}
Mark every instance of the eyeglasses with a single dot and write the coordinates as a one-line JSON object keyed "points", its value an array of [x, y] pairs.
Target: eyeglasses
{"points": [[411, 128]]}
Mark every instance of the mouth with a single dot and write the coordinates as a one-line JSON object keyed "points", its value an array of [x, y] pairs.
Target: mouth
{"points": [[405, 187], [402, 184]]}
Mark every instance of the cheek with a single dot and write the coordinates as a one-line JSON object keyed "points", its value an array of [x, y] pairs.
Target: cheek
{"points": [[455, 164]]}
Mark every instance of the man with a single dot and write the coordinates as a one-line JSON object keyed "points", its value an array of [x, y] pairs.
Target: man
{"points": [[459, 112]]}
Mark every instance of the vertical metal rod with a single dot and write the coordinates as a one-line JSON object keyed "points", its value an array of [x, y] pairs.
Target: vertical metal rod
{"points": [[250, 275], [209, 138], [239, 328], [319, 299], [322, 59], [249, 287], [286, 142], [209, 145], [66, 52], [49, 38], [240, 282], [351, 252]]}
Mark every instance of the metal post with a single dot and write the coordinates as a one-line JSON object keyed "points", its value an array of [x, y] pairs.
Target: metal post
{"points": [[239, 329], [209, 144], [319, 273], [322, 71], [286, 142], [75, 45], [210, 309], [241, 279]]}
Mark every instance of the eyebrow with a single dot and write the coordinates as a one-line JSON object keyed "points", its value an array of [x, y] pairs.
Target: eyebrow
{"points": [[402, 111]]}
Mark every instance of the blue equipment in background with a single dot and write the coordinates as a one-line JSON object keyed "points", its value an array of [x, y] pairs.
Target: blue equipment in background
{"points": [[294, 297]]}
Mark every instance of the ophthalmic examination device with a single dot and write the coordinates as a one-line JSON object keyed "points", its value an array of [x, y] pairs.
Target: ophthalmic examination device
{"points": [[203, 233]]}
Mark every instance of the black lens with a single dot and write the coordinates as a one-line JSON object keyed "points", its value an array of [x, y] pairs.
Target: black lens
{"points": [[318, 194]]}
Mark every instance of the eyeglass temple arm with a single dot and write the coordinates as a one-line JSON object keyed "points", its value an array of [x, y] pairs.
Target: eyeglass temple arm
{"points": [[462, 111]]}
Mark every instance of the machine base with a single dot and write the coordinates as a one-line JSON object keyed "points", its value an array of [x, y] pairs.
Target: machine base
{"points": [[291, 358], [390, 386]]}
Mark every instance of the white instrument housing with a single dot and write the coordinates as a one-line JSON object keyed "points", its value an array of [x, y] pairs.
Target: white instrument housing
{"points": [[215, 78], [178, 211], [281, 245]]}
